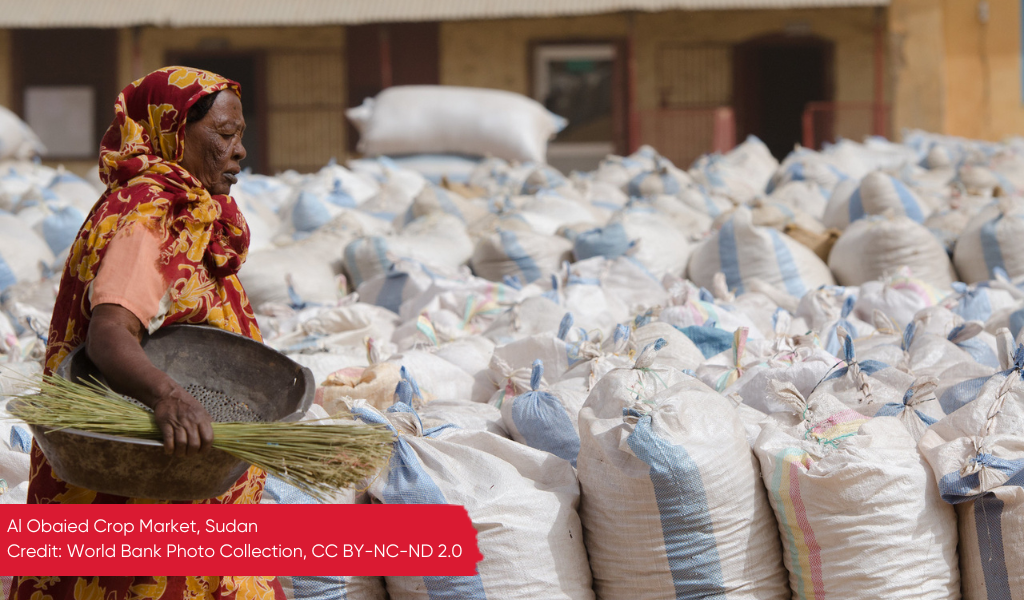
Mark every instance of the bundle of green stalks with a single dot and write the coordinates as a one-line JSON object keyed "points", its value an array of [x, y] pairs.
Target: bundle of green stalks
{"points": [[318, 458]]}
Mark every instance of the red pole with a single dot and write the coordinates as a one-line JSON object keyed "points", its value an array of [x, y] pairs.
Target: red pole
{"points": [[878, 110], [808, 126], [633, 129], [724, 136]]}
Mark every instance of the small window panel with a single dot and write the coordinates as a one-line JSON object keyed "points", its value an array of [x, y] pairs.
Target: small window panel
{"points": [[575, 81], [63, 118]]}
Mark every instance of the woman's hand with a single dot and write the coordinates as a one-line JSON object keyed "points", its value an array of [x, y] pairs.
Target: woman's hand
{"points": [[113, 345], [186, 425]]}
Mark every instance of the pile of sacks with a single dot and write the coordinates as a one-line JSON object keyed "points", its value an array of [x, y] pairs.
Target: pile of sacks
{"points": [[742, 380]]}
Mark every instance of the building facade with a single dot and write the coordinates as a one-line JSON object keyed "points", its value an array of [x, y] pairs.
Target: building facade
{"points": [[686, 76]]}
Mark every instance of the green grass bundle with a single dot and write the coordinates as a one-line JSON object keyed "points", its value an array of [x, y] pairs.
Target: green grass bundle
{"points": [[319, 458]]}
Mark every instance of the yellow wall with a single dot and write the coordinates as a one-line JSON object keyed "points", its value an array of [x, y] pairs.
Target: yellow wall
{"points": [[916, 64], [305, 82], [983, 70]]}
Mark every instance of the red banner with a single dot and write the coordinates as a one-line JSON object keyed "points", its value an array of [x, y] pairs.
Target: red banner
{"points": [[323, 539]]}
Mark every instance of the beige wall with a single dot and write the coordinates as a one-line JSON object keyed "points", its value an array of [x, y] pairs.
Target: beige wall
{"points": [[851, 30], [495, 53], [305, 82], [157, 42], [947, 71], [6, 68]]}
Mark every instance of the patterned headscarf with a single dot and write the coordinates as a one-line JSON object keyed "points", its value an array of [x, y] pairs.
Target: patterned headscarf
{"points": [[204, 238]]}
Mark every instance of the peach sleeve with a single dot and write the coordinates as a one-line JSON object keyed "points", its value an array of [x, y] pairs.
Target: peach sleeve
{"points": [[128, 275]]}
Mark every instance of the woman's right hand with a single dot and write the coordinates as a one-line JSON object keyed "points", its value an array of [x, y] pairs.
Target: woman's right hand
{"points": [[187, 427], [113, 345]]}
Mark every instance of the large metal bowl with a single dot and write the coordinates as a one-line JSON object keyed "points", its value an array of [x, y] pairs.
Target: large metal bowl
{"points": [[266, 381]]}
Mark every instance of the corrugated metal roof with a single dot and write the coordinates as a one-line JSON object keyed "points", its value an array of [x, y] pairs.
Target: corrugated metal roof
{"points": [[254, 13]]}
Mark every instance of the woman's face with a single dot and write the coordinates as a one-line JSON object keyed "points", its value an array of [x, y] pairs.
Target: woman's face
{"points": [[213, 145]]}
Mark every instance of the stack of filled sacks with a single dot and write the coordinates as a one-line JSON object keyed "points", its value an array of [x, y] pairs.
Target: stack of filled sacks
{"points": [[977, 455], [523, 503], [41, 210], [699, 368], [858, 509], [15, 437], [672, 504], [50, 205]]}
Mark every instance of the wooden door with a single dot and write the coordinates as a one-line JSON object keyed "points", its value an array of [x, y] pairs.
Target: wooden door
{"points": [[382, 55]]}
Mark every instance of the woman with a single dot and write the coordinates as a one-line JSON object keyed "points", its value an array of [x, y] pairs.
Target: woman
{"points": [[161, 246]]}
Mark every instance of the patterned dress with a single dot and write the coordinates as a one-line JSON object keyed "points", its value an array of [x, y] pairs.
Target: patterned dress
{"points": [[203, 241]]}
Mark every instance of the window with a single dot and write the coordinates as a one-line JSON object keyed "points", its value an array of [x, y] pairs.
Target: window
{"points": [[62, 117], [578, 82]]}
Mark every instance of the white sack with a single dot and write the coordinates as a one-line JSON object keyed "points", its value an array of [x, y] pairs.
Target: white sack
{"points": [[473, 416], [858, 509], [672, 506], [661, 247], [17, 140], [977, 455], [24, 256], [437, 377], [267, 276], [873, 247], [876, 194], [437, 240], [521, 501], [993, 239], [744, 252], [899, 297], [523, 254], [422, 119]]}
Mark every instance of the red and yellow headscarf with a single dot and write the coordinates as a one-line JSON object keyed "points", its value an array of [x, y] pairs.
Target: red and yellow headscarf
{"points": [[204, 237]]}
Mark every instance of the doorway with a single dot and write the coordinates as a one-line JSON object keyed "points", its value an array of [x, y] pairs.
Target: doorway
{"points": [[775, 78], [247, 70]]}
